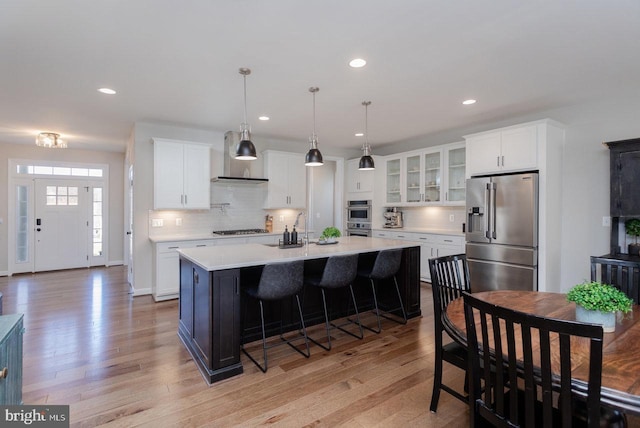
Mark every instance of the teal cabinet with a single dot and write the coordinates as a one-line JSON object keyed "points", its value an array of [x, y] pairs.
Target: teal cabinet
{"points": [[11, 331]]}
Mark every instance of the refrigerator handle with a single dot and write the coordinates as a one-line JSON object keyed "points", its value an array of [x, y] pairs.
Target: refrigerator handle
{"points": [[493, 210], [487, 204]]}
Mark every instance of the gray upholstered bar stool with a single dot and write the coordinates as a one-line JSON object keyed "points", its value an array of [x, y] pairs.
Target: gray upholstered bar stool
{"points": [[386, 265], [339, 272], [278, 281]]}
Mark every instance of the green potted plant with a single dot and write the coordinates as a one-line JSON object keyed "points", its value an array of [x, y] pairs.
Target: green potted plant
{"points": [[330, 234], [632, 227], [598, 303]]}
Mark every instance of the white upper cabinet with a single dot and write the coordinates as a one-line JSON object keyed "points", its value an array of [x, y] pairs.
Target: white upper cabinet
{"points": [[433, 176], [287, 176], [393, 180], [359, 183], [423, 177], [455, 166], [180, 175], [506, 150]]}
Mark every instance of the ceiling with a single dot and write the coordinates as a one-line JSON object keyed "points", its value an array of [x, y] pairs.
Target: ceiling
{"points": [[177, 63]]}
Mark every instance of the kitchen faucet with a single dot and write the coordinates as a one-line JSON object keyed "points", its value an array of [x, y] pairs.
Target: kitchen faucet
{"points": [[306, 226]]}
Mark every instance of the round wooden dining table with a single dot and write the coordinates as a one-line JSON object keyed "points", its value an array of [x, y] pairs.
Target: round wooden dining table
{"points": [[621, 354]]}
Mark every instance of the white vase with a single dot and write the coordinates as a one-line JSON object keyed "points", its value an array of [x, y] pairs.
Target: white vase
{"points": [[606, 319]]}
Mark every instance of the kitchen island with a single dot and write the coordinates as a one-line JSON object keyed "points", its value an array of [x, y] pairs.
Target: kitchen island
{"points": [[213, 310]]}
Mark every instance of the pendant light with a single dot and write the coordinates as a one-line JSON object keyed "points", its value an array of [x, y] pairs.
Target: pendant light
{"points": [[313, 157], [366, 161], [245, 150]]}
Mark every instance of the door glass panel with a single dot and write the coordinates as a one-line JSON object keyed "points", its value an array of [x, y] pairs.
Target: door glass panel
{"points": [[432, 170], [97, 221], [393, 181], [457, 161], [22, 231], [413, 179]]}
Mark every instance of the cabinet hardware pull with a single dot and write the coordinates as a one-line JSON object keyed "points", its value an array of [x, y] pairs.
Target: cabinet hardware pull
{"points": [[173, 248], [185, 199], [3, 373], [201, 245], [448, 240], [497, 160], [502, 160]]}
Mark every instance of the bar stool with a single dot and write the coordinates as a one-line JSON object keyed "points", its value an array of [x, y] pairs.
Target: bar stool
{"points": [[386, 265], [339, 272], [278, 281]]}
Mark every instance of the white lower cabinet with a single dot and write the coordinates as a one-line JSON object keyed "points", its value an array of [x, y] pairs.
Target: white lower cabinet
{"points": [[166, 260], [431, 245], [166, 271]]}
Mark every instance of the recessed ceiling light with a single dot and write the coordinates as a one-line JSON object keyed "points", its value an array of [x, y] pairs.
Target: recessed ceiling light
{"points": [[107, 91], [264, 118], [359, 134], [468, 102], [357, 63]]}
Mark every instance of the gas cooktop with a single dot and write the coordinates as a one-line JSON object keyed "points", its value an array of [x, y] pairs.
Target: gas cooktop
{"points": [[240, 232]]}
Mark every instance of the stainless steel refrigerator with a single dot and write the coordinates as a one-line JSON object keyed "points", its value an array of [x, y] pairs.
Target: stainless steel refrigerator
{"points": [[502, 232]]}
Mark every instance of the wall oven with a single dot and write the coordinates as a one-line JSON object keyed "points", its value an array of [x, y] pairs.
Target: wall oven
{"points": [[359, 211]]}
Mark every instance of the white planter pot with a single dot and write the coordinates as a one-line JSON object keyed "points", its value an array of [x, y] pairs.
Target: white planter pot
{"points": [[606, 319]]}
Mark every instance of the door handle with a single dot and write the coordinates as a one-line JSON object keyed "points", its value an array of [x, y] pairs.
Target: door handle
{"points": [[487, 205], [493, 210]]}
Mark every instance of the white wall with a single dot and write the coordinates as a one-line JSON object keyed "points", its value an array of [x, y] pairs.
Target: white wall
{"points": [[116, 175]]}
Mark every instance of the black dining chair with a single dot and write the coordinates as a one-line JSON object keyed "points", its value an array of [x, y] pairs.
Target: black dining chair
{"points": [[523, 345], [622, 274], [338, 272], [278, 281], [385, 266], [449, 279]]}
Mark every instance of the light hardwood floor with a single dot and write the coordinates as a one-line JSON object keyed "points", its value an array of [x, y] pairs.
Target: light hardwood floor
{"points": [[117, 361]]}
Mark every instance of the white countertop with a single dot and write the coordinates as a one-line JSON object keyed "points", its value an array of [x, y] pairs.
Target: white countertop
{"points": [[201, 236], [244, 255], [421, 230]]}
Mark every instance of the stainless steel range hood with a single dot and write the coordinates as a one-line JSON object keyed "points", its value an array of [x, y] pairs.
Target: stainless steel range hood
{"points": [[238, 171]]}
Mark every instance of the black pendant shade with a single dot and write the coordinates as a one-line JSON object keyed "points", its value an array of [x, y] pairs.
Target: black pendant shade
{"points": [[313, 157], [366, 163], [246, 150]]}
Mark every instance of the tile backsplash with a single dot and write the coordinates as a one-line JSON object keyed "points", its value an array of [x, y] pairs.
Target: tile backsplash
{"points": [[233, 206]]}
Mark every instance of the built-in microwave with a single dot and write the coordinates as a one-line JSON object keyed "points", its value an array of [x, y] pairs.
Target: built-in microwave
{"points": [[359, 211]]}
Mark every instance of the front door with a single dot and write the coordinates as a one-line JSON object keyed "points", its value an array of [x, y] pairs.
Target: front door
{"points": [[61, 224]]}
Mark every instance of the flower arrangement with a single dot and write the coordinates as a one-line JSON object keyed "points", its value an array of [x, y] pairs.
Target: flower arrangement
{"points": [[596, 296]]}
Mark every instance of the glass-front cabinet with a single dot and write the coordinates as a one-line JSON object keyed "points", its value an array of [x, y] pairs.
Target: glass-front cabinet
{"points": [[423, 172], [455, 156], [433, 176], [393, 181]]}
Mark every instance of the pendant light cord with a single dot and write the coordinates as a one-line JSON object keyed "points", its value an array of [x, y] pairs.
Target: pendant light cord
{"points": [[245, 99]]}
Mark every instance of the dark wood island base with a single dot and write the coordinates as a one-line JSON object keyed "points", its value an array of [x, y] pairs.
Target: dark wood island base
{"points": [[215, 318]]}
